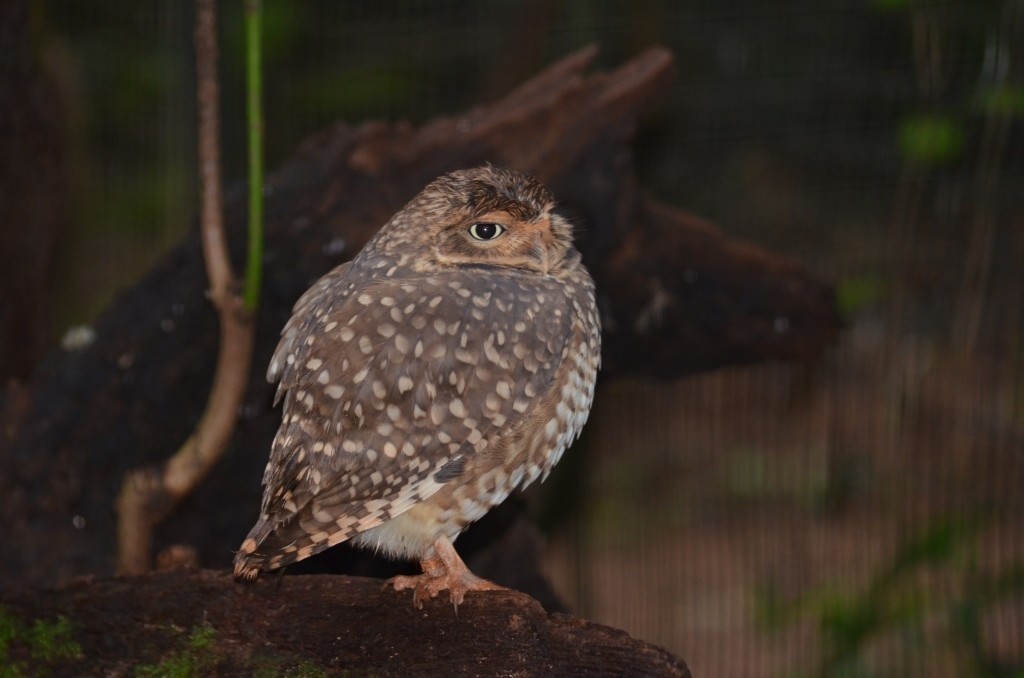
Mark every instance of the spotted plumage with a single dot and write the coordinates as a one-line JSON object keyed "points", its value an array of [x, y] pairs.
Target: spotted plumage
{"points": [[451, 361]]}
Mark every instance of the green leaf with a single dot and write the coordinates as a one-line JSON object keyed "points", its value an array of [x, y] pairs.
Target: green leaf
{"points": [[1002, 99], [931, 139], [858, 292]]}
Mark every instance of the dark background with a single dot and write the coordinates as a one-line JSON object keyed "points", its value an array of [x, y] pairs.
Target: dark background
{"points": [[859, 515]]}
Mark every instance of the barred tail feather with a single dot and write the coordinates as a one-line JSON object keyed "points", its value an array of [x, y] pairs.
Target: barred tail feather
{"points": [[263, 550], [271, 546]]}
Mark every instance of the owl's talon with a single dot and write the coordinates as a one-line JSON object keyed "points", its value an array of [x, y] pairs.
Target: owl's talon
{"points": [[427, 587], [443, 571], [405, 582]]}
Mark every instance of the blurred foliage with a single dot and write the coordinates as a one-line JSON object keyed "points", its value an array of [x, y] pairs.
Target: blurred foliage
{"points": [[857, 293], [829, 85], [761, 475], [931, 139], [931, 586], [1001, 100]]}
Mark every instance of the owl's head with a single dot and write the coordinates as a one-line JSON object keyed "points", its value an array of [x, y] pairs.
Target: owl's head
{"points": [[483, 216]]}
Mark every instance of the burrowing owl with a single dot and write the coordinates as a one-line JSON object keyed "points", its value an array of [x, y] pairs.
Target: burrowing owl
{"points": [[451, 361]]}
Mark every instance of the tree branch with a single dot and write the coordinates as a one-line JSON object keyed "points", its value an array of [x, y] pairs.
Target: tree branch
{"points": [[215, 249], [149, 495]]}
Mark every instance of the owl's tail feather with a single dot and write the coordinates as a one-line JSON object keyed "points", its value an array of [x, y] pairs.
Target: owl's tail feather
{"points": [[260, 552], [245, 569], [270, 546], [248, 562]]}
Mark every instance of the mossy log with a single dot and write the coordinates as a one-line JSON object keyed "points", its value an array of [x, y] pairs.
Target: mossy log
{"points": [[203, 623]]}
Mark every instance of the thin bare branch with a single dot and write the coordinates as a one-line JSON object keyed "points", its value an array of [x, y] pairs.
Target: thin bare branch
{"points": [[215, 250], [149, 495]]}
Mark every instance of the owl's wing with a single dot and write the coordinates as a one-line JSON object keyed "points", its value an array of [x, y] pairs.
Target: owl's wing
{"points": [[321, 296], [389, 388]]}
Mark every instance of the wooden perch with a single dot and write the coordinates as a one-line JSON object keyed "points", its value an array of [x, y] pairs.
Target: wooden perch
{"points": [[677, 295], [329, 624]]}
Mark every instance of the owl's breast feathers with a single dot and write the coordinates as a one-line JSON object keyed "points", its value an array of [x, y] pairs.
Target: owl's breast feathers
{"points": [[395, 387]]}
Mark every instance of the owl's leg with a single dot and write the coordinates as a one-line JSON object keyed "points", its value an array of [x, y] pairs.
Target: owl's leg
{"points": [[443, 569]]}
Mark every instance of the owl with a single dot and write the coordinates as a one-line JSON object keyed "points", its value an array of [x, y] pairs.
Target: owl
{"points": [[450, 362]]}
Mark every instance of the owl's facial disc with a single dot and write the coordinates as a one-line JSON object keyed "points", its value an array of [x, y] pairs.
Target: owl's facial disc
{"points": [[499, 238]]}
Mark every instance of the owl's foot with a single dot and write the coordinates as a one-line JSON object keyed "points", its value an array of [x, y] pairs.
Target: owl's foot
{"points": [[443, 570]]}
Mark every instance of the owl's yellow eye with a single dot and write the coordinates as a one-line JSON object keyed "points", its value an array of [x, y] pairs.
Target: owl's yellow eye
{"points": [[486, 231]]}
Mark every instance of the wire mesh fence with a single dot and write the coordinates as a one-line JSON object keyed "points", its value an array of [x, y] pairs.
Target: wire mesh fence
{"points": [[860, 515]]}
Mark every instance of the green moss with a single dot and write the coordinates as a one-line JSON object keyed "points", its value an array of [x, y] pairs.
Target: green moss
{"points": [[41, 646], [264, 666], [45, 643], [196, 658], [306, 669], [52, 641]]}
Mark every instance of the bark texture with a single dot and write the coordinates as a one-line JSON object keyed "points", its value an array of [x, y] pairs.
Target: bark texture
{"points": [[206, 623]]}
